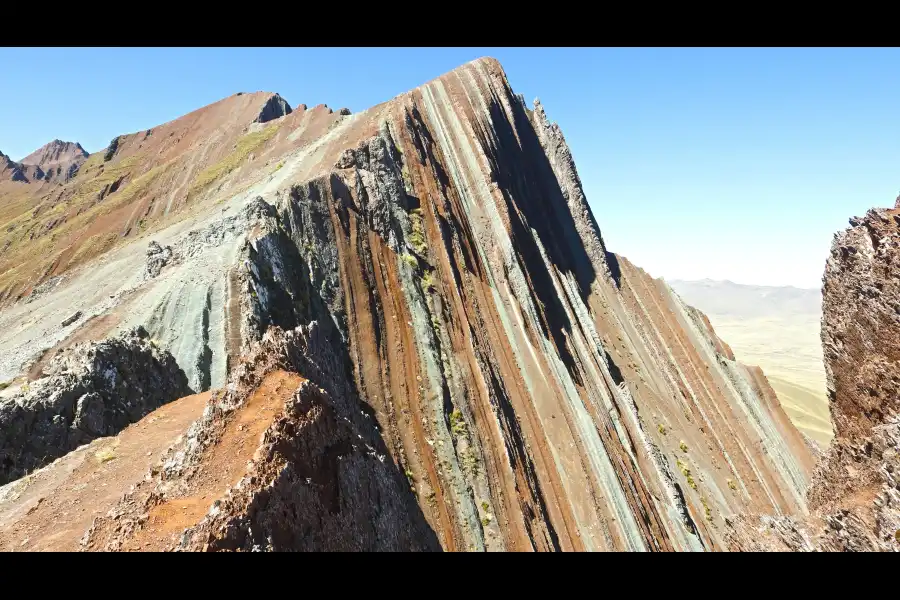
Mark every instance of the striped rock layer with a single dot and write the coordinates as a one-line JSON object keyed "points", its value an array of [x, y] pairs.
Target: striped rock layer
{"points": [[537, 391]]}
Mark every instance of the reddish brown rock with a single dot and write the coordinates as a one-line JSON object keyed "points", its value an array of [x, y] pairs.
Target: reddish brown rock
{"points": [[276, 463], [489, 375], [58, 161], [855, 492]]}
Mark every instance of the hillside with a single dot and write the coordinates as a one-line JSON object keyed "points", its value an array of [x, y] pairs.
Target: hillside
{"points": [[412, 334], [776, 328]]}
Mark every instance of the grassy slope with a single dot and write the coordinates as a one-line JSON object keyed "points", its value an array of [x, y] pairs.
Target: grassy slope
{"points": [[32, 251]]}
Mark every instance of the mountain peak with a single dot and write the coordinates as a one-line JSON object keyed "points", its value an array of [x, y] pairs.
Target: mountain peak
{"points": [[57, 160], [275, 107], [55, 153]]}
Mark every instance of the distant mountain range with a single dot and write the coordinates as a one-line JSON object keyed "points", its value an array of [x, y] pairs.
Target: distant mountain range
{"points": [[727, 298]]}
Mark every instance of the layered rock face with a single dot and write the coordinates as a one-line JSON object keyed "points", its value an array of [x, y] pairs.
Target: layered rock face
{"points": [[855, 492], [414, 313], [307, 469], [89, 391]]}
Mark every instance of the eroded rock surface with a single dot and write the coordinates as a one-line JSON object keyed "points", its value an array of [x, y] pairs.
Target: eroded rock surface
{"points": [[275, 107], [157, 258], [855, 492], [277, 462], [483, 374], [58, 161], [89, 391]]}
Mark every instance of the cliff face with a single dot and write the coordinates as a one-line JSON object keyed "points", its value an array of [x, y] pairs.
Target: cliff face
{"points": [[505, 374], [855, 492]]}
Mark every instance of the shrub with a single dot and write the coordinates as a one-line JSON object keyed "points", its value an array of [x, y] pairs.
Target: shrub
{"points": [[105, 455], [428, 281], [457, 424], [417, 231], [706, 510], [410, 260]]}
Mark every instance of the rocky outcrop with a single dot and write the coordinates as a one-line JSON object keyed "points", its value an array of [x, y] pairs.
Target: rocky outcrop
{"points": [[157, 258], [89, 391], [274, 108], [855, 492], [112, 148], [10, 170], [307, 470]]}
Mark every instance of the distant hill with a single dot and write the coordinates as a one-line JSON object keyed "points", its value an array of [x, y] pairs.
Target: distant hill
{"points": [[729, 298], [776, 328]]}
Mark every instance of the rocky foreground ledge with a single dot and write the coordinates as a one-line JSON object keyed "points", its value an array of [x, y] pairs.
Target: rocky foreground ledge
{"points": [[91, 390], [278, 462]]}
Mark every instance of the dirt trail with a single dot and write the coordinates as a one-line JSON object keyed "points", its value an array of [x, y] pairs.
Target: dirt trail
{"points": [[51, 509], [224, 466]]}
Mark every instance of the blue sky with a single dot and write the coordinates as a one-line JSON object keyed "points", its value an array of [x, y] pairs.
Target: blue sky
{"points": [[732, 164]]}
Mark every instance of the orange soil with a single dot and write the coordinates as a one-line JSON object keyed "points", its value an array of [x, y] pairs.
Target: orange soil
{"points": [[223, 467], [58, 504]]}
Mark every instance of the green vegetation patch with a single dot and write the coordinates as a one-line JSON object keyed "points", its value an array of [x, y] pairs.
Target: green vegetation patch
{"points": [[457, 423], [410, 260], [417, 231], [247, 144], [428, 281]]}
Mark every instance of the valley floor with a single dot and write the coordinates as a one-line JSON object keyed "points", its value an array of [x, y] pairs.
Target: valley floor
{"points": [[789, 351]]}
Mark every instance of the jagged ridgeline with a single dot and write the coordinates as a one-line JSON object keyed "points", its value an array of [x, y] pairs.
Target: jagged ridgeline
{"points": [[414, 333]]}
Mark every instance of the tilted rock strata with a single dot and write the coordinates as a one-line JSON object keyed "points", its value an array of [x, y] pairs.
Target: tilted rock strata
{"points": [[91, 390], [535, 391], [318, 477]]}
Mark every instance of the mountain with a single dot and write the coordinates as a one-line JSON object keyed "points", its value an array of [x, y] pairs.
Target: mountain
{"points": [[726, 298], [58, 160], [140, 180], [777, 328], [55, 153], [854, 497], [10, 170], [409, 331]]}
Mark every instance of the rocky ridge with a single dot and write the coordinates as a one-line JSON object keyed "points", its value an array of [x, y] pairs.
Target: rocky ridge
{"points": [[426, 276], [855, 491], [90, 390], [318, 476]]}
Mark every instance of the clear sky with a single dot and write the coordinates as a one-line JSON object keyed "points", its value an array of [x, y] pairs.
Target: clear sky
{"points": [[732, 164]]}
